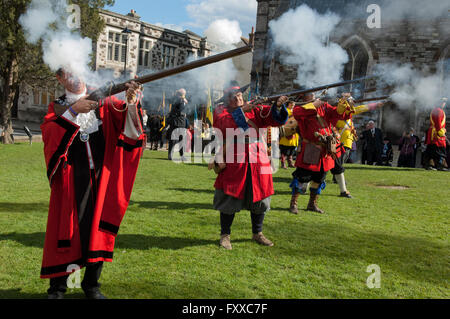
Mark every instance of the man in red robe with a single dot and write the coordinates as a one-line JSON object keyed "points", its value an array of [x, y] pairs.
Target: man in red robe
{"points": [[317, 155], [244, 180], [92, 151], [436, 140]]}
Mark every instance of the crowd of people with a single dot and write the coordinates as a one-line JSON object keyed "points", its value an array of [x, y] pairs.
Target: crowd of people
{"points": [[372, 147]]}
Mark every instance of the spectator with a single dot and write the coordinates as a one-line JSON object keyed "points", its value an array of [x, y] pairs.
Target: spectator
{"points": [[155, 131], [408, 149], [387, 154], [177, 119], [363, 145], [144, 119], [373, 138]]}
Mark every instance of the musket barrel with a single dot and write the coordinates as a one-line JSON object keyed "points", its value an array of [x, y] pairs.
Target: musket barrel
{"points": [[320, 88], [112, 89], [372, 99]]}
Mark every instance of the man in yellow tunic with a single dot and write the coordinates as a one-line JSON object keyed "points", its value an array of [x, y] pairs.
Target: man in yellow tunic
{"points": [[289, 143], [348, 135]]}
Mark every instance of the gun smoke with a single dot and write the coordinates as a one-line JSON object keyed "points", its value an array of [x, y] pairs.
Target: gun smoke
{"points": [[302, 35], [46, 20], [223, 35]]}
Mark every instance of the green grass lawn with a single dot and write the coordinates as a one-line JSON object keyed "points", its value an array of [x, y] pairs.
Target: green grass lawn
{"points": [[167, 246]]}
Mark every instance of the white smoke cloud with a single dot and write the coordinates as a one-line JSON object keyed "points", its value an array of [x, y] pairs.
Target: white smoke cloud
{"points": [[197, 82], [37, 19], [61, 47], [303, 36], [204, 12], [412, 87], [65, 50], [224, 33]]}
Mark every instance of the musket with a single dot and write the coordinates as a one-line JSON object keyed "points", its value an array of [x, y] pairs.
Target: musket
{"points": [[111, 88], [311, 90], [372, 99]]}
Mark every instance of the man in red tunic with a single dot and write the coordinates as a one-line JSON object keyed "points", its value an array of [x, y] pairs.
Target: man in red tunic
{"points": [[317, 154], [92, 151], [436, 140], [244, 180]]}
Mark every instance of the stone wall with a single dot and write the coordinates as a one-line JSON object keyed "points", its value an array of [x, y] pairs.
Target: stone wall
{"points": [[425, 44], [184, 42]]}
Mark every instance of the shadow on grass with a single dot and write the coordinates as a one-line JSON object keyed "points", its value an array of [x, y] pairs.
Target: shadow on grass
{"points": [[289, 192], [383, 168], [194, 190], [145, 242], [124, 241], [175, 206], [17, 294], [287, 180], [22, 207], [412, 257], [30, 239]]}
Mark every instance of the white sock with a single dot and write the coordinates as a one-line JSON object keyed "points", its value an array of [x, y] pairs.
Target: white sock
{"points": [[341, 182]]}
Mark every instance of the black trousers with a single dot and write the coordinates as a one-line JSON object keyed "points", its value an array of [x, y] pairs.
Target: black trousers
{"points": [[90, 279], [306, 176], [338, 166], [226, 220], [373, 157], [437, 154], [173, 142]]}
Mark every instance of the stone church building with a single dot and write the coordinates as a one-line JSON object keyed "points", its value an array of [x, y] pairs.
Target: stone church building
{"points": [[421, 42]]}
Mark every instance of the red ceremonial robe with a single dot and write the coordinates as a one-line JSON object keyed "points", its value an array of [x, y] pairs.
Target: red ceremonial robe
{"points": [[232, 179], [62, 247], [308, 124]]}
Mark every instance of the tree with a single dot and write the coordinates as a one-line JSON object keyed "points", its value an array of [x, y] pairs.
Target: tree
{"points": [[21, 62], [12, 42]]}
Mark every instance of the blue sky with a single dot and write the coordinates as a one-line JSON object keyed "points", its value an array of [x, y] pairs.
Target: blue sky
{"points": [[195, 15]]}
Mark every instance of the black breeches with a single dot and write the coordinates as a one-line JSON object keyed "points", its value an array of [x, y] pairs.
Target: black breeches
{"points": [[90, 279], [226, 220]]}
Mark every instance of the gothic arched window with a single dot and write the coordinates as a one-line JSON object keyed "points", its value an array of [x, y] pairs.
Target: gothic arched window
{"points": [[356, 66]]}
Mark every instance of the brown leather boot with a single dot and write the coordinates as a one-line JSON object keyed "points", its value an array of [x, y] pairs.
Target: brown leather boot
{"points": [[293, 208], [312, 205], [283, 162], [262, 240], [225, 242]]}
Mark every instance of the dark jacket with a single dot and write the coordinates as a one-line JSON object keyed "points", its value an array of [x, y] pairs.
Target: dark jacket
{"points": [[373, 142], [177, 115]]}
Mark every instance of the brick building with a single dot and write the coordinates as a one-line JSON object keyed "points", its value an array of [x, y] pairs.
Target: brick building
{"points": [[421, 42]]}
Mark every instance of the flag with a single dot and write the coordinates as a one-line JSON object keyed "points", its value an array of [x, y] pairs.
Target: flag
{"points": [[163, 105], [209, 111]]}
